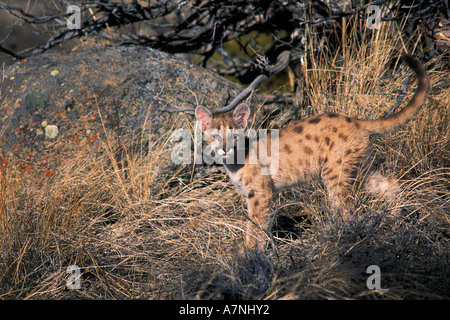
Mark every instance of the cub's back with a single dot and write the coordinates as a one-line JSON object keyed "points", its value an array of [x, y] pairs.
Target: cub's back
{"points": [[312, 145]]}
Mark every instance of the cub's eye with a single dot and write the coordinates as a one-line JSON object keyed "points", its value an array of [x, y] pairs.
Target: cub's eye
{"points": [[234, 135], [217, 136]]}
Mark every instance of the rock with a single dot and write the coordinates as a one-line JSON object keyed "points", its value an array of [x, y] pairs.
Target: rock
{"points": [[97, 94]]}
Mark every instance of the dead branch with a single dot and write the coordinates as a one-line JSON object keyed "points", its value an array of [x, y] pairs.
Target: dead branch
{"points": [[202, 27], [282, 62], [266, 71], [110, 14]]}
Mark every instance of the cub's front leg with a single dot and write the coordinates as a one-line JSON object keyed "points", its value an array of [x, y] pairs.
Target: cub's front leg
{"points": [[258, 199]]}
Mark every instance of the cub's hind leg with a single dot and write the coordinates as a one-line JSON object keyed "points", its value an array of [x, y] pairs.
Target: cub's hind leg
{"points": [[340, 196], [339, 175], [338, 185]]}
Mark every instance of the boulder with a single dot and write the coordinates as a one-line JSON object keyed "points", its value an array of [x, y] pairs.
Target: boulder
{"points": [[61, 105]]}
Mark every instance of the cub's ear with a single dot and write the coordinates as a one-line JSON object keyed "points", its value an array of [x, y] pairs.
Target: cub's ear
{"points": [[204, 116], [241, 114]]}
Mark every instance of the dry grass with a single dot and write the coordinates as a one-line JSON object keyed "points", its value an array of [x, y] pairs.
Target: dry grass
{"points": [[144, 228]]}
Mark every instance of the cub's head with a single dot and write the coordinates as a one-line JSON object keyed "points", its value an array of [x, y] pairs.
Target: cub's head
{"points": [[223, 132]]}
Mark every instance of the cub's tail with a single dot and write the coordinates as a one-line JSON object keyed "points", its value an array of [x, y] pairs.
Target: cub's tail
{"points": [[412, 108]]}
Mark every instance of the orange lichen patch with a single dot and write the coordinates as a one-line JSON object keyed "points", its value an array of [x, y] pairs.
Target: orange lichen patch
{"points": [[3, 163], [95, 137], [24, 167]]}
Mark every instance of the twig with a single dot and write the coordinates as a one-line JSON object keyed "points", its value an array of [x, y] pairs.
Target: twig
{"points": [[174, 107], [342, 14]]}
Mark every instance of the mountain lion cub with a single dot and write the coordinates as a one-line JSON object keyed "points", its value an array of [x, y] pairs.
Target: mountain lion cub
{"points": [[329, 146]]}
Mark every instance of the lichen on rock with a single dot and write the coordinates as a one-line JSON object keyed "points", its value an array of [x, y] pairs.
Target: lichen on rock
{"points": [[51, 131]]}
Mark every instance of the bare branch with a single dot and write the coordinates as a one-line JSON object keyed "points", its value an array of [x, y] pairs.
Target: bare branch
{"points": [[11, 53], [343, 14], [113, 14], [26, 17], [282, 62], [173, 107]]}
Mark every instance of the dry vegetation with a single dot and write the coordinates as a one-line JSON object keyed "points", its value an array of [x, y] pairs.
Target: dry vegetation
{"points": [[140, 227]]}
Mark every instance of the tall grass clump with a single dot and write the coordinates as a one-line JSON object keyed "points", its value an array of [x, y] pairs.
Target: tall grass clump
{"points": [[139, 226]]}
